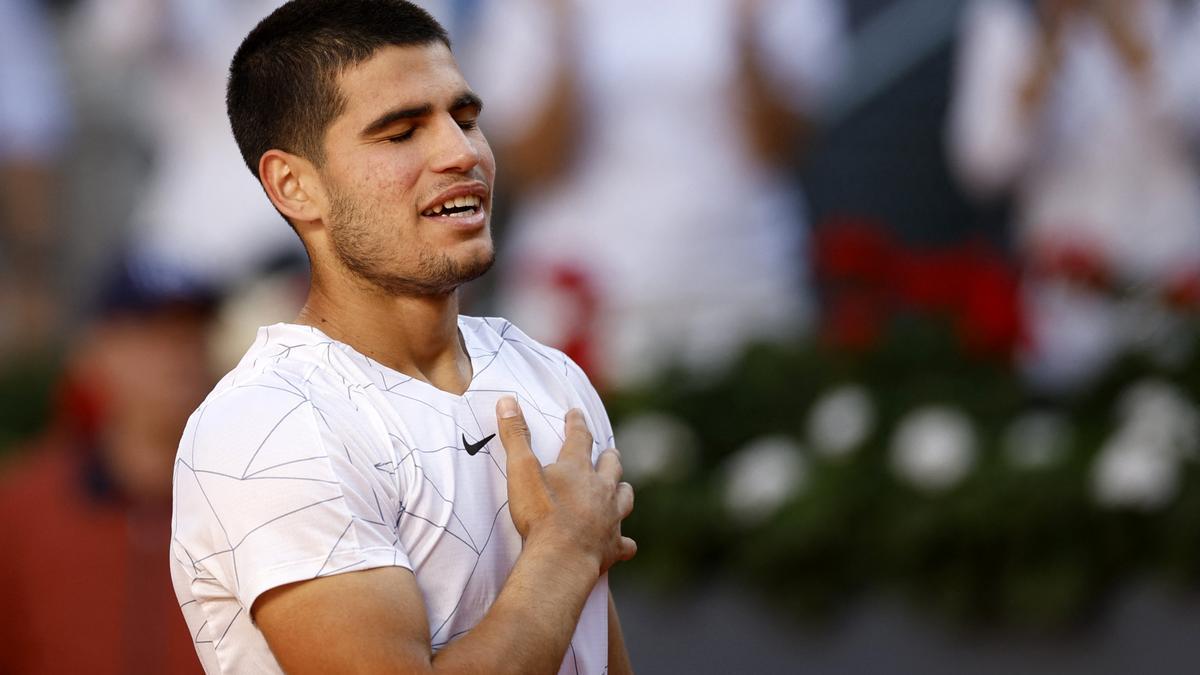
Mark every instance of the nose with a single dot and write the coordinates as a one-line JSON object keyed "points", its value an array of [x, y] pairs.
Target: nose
{"points": [[455, 150]]}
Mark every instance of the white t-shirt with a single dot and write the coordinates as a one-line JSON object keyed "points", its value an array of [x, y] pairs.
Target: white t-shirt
{"points": [[692, 246], [1132, 198], [310, 459]]}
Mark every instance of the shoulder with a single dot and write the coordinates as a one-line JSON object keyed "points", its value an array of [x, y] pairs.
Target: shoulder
{"points": [[495, 335], [530, 361], [290, 395]]}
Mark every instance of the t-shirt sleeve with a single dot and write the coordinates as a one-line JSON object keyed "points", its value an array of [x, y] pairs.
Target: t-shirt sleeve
{"points": [[513, 63], [804, 47], [277, 483], [989, 138]]}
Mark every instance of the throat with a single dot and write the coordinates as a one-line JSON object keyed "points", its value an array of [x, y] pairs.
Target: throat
{"points": [[416, 337]]}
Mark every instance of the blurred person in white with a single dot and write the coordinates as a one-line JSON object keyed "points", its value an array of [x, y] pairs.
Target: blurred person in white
{"points": [[1084, 110], [33, 123], [193, 211], [655, 217]]}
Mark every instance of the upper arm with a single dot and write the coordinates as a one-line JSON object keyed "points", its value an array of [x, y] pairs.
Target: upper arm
{"points": [[988, 136], [514, 63], [267, 494], [803, 47], [362, 622]]}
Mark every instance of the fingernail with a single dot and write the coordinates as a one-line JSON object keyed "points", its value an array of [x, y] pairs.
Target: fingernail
{"points": [[507, 407]]}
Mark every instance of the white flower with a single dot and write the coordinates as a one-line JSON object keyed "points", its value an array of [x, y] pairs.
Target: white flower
{"points": [[1133, 470], [656, 446], [762, 477], [1037, 440], [934, 448], [1158, 412], [841, 420]]}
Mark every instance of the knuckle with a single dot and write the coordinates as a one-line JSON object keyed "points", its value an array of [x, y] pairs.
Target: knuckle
{"points": [[515, 428], [581, 435], [618, 468], [577, 424]]}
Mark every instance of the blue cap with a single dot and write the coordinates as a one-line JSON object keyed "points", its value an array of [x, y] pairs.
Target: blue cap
{"points": [[141, 285]]}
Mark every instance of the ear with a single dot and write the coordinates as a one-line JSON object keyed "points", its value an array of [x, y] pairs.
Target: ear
{"points": [[292, 184]]}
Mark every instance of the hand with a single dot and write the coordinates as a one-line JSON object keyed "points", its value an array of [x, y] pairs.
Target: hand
{"points": [[568, 504], [1054, 15], [1123, 28]]}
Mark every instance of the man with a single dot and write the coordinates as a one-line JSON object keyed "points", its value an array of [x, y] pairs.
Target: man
{"points": [[33, 124], [86, 512], [711, 112], [1086, 113], [341, 501]]}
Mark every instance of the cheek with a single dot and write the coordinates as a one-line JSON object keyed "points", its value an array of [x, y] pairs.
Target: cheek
{"points": [[387, 181]]}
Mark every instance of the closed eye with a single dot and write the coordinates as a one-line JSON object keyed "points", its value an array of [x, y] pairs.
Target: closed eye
{"points": [[400, 138]]}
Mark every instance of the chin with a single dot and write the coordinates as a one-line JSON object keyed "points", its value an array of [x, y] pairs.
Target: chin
{"points": [[476, 252], [478, 265]]}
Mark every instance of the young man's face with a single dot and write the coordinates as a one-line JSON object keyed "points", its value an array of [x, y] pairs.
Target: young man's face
{"points": [[406, 146]]}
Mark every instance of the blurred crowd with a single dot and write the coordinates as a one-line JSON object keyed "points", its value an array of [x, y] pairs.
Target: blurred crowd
{"points": [[651, 216]]}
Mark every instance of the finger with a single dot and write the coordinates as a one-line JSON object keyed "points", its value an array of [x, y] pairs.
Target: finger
{"points": [[577, 440], [609, 464], [624, 499], [514, 433], [626, 549]]}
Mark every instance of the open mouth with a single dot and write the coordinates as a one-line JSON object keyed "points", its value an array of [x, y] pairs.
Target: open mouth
{"points": [[459, 207]]}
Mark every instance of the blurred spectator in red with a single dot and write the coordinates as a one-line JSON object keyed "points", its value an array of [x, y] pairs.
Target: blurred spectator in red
{"points": [[33, 122], [1085, 109], [85, 513], [655, 218]]}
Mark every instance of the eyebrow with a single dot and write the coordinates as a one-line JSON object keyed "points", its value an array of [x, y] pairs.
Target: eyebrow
{"points": [[465, 101]]}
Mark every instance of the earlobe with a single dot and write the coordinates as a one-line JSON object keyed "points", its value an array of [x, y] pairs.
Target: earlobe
{"points": [[289, 184]]}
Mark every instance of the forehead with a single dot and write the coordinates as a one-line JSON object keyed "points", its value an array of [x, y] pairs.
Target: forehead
{"points": [[397, 77]]}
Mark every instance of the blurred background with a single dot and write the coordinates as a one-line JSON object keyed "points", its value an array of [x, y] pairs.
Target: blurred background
{"points": [[895, 305]]}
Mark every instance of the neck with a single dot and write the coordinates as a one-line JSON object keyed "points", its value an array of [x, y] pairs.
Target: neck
{"points": [[414, 335]]}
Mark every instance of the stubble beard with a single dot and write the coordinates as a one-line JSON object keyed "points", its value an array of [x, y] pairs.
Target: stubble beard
{"points": [[434, 273]]}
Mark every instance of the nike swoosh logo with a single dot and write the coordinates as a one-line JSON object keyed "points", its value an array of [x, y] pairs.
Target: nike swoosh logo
{"points": [[473, 448]]}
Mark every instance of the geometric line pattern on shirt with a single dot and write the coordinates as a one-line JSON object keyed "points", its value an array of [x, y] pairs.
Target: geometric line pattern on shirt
{"points": [[393, 385], [232, 547], [454, 610]]}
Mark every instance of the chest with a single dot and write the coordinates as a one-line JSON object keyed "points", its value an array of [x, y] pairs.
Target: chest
{"points": [[448, 470], [448, 467]]}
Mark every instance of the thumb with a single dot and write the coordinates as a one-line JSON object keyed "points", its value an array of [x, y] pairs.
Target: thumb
{"points": [[514, 433]]}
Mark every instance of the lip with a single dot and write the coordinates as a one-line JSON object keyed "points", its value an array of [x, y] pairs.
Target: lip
{"points": [[474, 188]]}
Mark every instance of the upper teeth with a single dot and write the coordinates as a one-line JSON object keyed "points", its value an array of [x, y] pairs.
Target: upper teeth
{"points": [[458, 202]]}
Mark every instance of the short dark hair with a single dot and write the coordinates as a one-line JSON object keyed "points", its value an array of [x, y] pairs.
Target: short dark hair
{"points": [[283, 89]]}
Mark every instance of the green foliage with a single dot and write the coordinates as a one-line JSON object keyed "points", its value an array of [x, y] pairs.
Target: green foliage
{"points": [[25, 399], [1012, 545]]}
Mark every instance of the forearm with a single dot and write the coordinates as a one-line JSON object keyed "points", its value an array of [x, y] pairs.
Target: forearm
{"points": [[775, 130], [26, 209], [374, 621], [529, 627], [543, 151]]}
